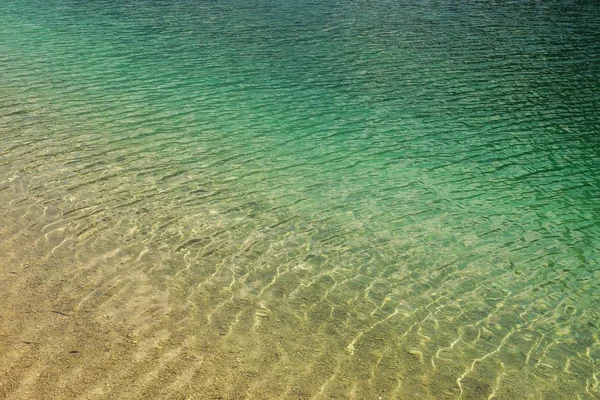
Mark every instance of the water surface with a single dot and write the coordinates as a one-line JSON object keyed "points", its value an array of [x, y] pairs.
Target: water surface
{"points": [[272, 199]]}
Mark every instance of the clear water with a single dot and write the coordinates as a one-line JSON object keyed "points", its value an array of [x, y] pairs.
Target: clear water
{"points": [[324, 199]]}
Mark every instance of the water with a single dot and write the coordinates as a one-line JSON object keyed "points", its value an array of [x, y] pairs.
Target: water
{"points": [[273, 199]]}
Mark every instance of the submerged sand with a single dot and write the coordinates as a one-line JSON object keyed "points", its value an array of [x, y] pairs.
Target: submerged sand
{"points": [[101, 305], [100, 322], [85, 316], [82, 318]]}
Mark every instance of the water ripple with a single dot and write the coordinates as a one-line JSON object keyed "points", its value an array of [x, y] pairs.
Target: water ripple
{"points": [[299, 200]]}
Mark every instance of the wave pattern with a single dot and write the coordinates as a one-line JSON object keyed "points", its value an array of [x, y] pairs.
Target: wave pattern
{"points": [[320, 200]]}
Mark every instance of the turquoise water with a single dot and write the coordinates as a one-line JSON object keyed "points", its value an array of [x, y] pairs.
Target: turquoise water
{"points": [[361, 199]]}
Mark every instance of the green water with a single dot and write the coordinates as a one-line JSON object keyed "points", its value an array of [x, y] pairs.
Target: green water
{"points": [[402, 199]]}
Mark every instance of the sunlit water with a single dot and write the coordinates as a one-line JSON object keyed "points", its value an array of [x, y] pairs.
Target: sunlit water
{"points": [[341, 199]]}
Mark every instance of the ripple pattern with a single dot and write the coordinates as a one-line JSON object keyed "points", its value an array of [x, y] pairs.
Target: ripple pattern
{"points": [[315, 200]]}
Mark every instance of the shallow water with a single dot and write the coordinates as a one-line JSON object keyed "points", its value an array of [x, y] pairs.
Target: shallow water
{"points": [[324, 199]]}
